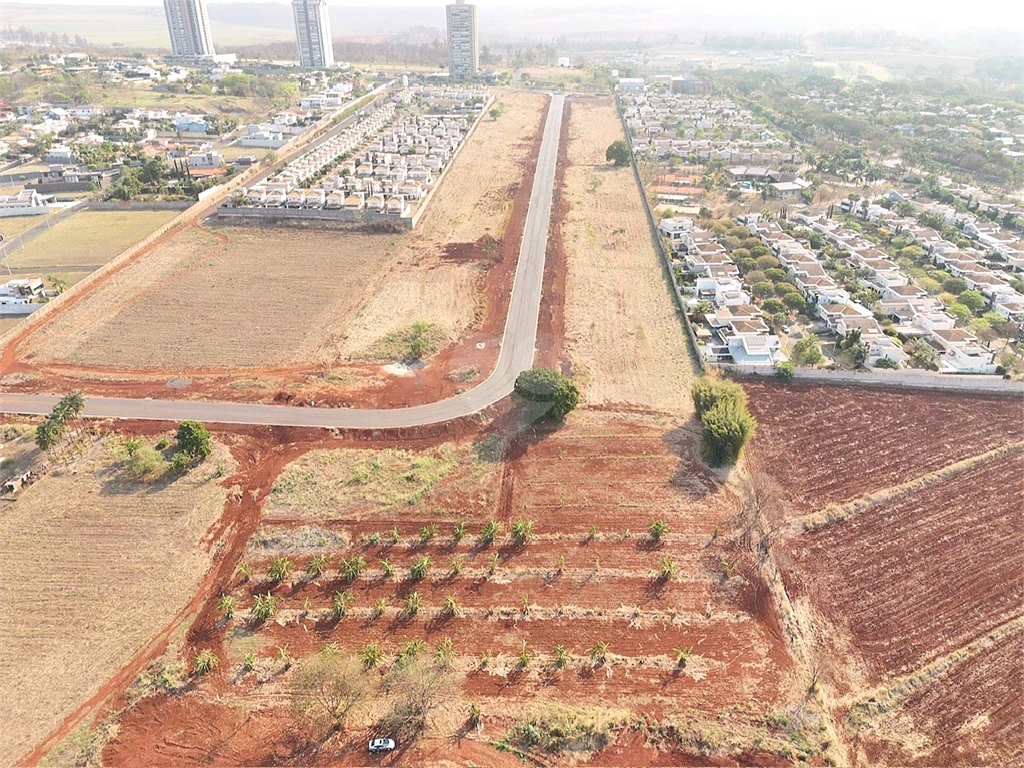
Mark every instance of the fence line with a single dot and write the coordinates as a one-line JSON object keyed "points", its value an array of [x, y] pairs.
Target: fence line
{"points": [[666, 261], [903, 379]]}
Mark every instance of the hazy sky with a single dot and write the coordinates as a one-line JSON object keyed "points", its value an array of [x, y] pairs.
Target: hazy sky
{"points": [[923, 14]]}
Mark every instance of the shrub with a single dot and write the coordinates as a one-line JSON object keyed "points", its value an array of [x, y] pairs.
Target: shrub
{"points": [[726, 428], [489, 531], [194, 439], [146, 463], [707, 393], [549, 387], [226, 606], [785, 370], [181, 463], [885, 362], [317, 565], [371, 655]]}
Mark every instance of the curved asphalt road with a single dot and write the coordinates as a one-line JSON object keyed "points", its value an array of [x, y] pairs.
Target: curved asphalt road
{"points": [[516, 355]]}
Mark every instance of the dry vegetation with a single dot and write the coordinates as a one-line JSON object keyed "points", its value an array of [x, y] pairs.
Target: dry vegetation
{"points": [[474, 202], [625, 340], [261, 297], [89, 238], [93, 566]]}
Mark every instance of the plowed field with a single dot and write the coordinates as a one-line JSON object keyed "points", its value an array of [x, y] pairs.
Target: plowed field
{"points": [[912, 599], [829, 444]]}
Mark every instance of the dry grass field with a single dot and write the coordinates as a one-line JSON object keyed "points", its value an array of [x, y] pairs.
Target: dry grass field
{"points": [[475, 201], [625, 340], [12, 226], [89, 237], [261, 297], [92, 566], [217, 299]]}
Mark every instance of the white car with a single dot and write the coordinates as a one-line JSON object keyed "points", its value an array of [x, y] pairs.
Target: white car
{"points": [[381, 745]]}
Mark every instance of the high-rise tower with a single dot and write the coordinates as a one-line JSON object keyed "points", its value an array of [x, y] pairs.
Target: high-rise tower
{"points": [[189, 27], [463, 44], [313, 30]]}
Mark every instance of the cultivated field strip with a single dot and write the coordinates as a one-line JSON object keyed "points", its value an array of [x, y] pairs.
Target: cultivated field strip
{"points": [[865, 441], [944, 567], [971, 715]]}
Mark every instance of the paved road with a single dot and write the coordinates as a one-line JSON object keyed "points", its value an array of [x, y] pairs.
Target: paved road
{"points": [[516, 355]]}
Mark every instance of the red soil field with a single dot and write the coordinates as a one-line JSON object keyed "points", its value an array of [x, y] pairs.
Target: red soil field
{"points": [[917, 578], [620, 472], [970, 716], [826, 444]]}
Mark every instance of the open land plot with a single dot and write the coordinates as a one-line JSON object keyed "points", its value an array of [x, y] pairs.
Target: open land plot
{"points": [[826, 444], [238, 297], [93, 566], [13, 226], [436, 269], [622, 333], [903, 561], [90, 238], [565, 586]]}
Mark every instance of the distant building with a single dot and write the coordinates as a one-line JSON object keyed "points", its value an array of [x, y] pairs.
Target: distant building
{"points": [[632, 84], [313, 31], [28, 202], [189, 27], [463, 40]]}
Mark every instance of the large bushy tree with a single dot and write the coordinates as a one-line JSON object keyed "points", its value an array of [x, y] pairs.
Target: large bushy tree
{"points": [[548, 386]]}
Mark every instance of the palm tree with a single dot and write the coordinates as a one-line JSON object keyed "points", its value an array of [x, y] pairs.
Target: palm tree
{"points": [[371, 655], [409, 650], [413, 601], [351, 567], [419, 568], [459, 530], [657, 529], [668, 568], [445, 652], [489, 531], [427, 532], [599, 652], [457, 564], [379, 607], [682, 655], [226, 606], [281, 568], [522, 530], [561, 657], [264, 607], [387, 568], [317, 565], [451, 606], [340, 603], [523, 660], [206, 661], [492, 563]]}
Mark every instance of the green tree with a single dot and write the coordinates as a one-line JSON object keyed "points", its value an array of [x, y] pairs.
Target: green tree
{"points": [[795, 301], [708, 392], [973, 300], [807, 351], [194, 439], [726, 429], [618, 153], [549, 388]]}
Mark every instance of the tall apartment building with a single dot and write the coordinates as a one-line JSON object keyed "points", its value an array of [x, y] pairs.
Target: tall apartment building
{"points": [[313, 30], [463, 43], [189, 27]]}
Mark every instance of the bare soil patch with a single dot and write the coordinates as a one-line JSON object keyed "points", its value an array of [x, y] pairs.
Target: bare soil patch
{"points": [[826, 444], [622, 333]]}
